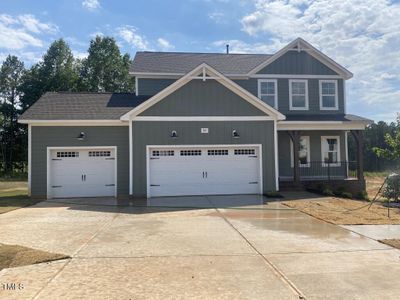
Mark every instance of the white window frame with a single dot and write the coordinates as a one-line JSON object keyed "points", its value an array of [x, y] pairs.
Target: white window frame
{"points": [[323, 143], [275, 81], [321, 107], [307, 137], [291, 94]]}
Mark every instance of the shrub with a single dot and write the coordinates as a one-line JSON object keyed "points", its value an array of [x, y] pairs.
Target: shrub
{"points": [[392, 188], [346, 195], [362, 195], [327, 192]]}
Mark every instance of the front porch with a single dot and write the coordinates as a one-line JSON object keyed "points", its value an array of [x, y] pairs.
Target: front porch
{"points": [[310, 158]]}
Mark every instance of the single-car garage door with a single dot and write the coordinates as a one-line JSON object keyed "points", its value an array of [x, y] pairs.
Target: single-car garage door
{"points": [[178, 171], [81, 172]]}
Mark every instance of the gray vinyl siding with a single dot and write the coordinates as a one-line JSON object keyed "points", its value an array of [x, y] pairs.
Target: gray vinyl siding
{"points": [[158, 133], [150, 86], [284, 153], [283, 96], [203, 98], [293, 62], [43, 137]]}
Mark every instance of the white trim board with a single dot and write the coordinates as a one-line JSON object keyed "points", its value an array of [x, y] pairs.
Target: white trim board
{"points": [[48, 156], [302, 45], [201, 118], [205, 69], [295, 76], [327, 125], [29, 159], [74, 122]]}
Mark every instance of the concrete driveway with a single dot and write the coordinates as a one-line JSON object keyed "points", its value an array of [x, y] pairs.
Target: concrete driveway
{"points": [[220, 247]]}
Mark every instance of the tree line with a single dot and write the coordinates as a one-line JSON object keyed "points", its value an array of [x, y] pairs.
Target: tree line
{"points": [[104, 69]]}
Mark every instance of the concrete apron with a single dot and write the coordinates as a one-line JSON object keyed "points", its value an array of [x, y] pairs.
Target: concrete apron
{"points": [[250, 250]]}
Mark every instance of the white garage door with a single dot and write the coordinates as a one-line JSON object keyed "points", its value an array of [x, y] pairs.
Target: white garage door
{"points": [[204, 171], [82, 173]]}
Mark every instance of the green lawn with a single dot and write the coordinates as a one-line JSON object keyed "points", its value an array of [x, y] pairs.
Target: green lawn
{"points": [[14, 195]]}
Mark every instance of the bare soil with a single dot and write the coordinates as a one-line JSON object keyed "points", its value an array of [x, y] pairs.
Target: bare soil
{"points": [[373, 183], [346, 212], [15, 256], [393, 242]]}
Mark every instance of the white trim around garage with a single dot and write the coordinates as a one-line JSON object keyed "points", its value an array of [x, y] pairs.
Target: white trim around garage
{"points": [[48, 156], [148, 147], [130, 158]]}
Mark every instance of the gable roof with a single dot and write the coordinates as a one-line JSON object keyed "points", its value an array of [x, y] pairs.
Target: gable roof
{"points": [[82, 106], [180, 63], [301, 45], [208, 73]]}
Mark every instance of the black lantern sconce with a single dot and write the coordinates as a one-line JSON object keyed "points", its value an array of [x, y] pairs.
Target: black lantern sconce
{"points": [[235, 134], [174, 134], [81, 136]]}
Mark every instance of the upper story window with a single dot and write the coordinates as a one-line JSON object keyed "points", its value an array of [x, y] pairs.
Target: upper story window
{"points": [[268, 91], [328, 95], [298, 94]]}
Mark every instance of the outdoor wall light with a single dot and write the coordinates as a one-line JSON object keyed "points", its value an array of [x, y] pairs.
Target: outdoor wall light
{"points": [[174, 134], [81, 136], [235, 134]]}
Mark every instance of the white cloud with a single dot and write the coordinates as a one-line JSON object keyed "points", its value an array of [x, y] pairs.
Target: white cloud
{"points": [[362, 35], [130, 35], [79, 54], [164, 44], [91, 4], [23, 31], [217, 17]]}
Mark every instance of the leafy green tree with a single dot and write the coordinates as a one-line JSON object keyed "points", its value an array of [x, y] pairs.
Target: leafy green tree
{"points": [[105, 69], [58, 71], [392, 149], [11, 74]]}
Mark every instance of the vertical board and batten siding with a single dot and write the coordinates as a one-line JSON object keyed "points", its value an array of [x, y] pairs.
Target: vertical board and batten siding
{"points": [[299, 63], [158, 133], [203, 98], [150, 86], [52, 136], [284, 153]]}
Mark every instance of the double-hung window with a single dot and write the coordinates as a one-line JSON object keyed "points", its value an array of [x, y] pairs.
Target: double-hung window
{"points": [[328, 95], [330, 150], [267, 91], [298, 94], [304, 152]]}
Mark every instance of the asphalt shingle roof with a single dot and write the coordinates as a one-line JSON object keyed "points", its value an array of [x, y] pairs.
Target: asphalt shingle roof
{"points": [[327, 117], [82, 106], [182, 62]]}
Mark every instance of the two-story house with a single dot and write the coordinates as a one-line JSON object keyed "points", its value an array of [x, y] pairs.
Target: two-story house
{"points": [[199, 123]]}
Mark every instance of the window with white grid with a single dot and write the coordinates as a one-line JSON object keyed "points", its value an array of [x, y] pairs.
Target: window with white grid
{"points": [[190, 152], [245, 151], [163, 153], [99, 153], [67, 154], [217, 152]]}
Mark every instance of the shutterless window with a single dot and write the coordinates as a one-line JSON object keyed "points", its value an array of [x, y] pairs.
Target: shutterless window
{"points": [[304, 152], [190, 152], [213, 152], [267, 91], [163, 153], [328, 95], [245, 151], [99, 153], [330, 146], [298, 94]]}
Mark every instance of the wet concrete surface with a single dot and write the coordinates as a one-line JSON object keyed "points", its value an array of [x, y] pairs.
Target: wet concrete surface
{"points": [[376, 232], [214, 247]]}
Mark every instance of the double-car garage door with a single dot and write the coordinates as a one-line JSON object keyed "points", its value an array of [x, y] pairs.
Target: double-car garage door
{"points": [[177, 171]]}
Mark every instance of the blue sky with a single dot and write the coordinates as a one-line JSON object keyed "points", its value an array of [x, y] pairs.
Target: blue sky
{"points": [[364, 36]]}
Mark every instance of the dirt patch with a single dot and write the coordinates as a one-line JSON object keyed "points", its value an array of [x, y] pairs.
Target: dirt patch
{"points": [[15, 256], [346, 212], [373, 183], [393, 242]]}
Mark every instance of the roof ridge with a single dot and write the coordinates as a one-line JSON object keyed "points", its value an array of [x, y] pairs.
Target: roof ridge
{"points": [[91, 93], [217, 53]]}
